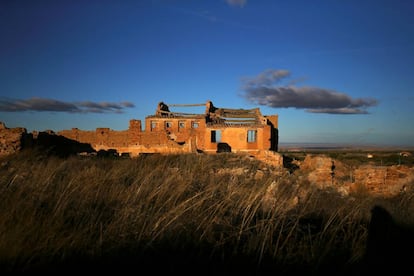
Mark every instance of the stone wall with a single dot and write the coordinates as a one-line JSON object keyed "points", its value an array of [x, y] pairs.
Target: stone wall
{"points": [[375, 180], [323, 171], [12, 140], [384, 180]]}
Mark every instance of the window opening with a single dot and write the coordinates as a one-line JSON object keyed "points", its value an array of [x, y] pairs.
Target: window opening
{"points": [[153, 125], [215, 136], [251, 136]]}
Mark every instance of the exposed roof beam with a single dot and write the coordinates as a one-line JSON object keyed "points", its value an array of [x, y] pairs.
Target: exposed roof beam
{"points": [[186, 104]]}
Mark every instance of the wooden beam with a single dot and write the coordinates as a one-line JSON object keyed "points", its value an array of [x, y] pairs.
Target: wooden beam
{"points": [[185, 105]]}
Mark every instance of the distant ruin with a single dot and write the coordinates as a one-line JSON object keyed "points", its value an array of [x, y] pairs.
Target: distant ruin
{"points": [[166, 132], [217, 130]]}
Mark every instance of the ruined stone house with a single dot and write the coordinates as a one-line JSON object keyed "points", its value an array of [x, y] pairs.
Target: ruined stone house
{"points": [[215, 130]]}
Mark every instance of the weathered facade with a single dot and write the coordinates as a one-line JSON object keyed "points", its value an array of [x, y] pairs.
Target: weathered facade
{"points": [[216, 130]]}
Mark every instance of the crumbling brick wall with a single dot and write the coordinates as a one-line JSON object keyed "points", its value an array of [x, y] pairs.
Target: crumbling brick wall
{"points": [[13, 140], [133, 140], [167, 132], [384, 180]]}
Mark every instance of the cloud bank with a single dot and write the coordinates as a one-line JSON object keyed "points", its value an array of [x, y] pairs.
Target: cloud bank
{"points": [[44, 104], [266, 89]]}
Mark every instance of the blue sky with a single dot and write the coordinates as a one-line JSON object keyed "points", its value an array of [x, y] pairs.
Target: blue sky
{"points": [[334, 71]]}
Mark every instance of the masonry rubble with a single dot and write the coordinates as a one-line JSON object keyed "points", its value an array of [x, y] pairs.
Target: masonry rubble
{"points": [[12, 140], [323, 172]]}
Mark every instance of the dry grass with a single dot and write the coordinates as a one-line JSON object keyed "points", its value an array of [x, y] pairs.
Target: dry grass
{"points": [[171, 213]]}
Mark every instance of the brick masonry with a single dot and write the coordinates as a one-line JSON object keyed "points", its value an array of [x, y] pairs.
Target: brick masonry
{"points": [[217, 130], [169, 132]]}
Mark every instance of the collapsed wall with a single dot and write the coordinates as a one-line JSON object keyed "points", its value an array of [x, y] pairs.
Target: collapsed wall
{"points": [[323, 171], [132, 141], [384, 180], [12, 140]]}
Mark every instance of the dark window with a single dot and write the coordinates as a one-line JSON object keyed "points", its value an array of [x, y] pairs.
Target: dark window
{"points": [[215, 136]]}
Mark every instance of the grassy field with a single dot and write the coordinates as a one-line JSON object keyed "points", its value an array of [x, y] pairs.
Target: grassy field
{"points": [[379, 157], [192, 213]]}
